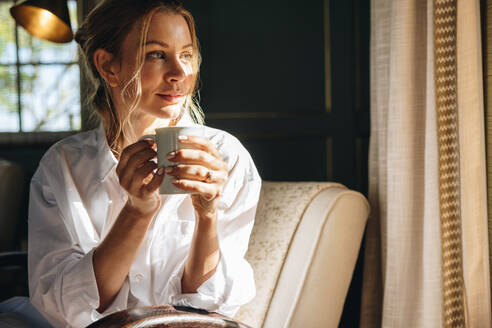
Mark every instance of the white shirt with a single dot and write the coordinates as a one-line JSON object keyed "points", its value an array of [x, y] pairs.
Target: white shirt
{"points": [[75, 198]]}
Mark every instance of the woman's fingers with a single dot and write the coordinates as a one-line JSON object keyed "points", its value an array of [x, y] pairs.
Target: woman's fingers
{"points": [[135, 173], [129, 151], [199, 157], [208, 191], [155, 182], [201, 143], [144, 181], [201, 170], [133, 163], [138, 177], [197, 173]]}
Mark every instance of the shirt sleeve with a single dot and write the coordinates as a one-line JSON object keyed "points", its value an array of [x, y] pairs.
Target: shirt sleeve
{"points": [[62, 284], [232, 284]]}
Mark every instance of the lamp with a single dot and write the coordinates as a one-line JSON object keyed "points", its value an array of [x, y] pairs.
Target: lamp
{"points": [[45, 19]]}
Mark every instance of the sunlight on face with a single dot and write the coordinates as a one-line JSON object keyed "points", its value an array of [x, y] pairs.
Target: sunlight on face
{"points": [[168, 73]]}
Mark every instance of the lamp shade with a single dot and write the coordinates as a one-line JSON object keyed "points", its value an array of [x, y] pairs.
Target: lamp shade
{"points": [[45, 19]]}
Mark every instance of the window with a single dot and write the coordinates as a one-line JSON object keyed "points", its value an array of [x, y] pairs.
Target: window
{"points": [[39, 80]]}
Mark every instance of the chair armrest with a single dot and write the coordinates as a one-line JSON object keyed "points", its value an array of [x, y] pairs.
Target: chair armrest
{"points": [[303, 250], [13, 185], [317, 271], [13, 274]]}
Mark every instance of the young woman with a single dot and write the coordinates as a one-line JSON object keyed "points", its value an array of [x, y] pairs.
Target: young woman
{"points": [[101, 238]]}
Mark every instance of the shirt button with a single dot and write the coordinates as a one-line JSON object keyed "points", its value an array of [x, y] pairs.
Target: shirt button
{"points": [[138, 277]]}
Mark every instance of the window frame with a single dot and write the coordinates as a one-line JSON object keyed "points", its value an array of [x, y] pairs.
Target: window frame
{"points": [[41, 138]]}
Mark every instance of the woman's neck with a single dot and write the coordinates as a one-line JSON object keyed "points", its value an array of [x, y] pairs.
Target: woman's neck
{"points": [[143, 124]]}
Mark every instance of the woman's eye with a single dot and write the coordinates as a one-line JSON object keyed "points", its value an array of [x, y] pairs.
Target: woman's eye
{"points": [[187, 56], [156, 55]]}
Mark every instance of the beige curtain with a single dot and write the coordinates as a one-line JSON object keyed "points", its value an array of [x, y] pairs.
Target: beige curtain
{"points": [[402, 266], [488, 123]]}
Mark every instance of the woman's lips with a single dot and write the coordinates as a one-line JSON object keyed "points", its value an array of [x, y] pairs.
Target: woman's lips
{"points": [[173, 99]]}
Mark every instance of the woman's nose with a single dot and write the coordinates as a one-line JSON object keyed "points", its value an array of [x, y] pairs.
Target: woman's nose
{"points": [[176, 72]]}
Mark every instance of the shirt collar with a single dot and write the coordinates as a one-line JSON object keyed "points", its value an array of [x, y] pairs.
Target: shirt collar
{"points": [[106, 157], [107, 161]]}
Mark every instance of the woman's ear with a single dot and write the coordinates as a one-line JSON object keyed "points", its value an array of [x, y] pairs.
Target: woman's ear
{"points": [[103, 60]]}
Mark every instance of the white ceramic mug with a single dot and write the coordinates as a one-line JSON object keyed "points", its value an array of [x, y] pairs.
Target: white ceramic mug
{"points": [[167, 141]]}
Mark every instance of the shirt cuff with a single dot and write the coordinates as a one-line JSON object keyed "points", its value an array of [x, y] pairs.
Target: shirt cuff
{"points": [[78, 299], [84, 269], [89, 294], [209, 296]]}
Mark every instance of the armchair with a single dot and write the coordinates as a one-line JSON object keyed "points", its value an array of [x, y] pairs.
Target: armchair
{"points": [[303, 251], [12, 186], [13, 263]]}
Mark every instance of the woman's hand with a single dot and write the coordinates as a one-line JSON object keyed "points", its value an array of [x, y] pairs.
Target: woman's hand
{"points": [[201, 171], [135, 172]]}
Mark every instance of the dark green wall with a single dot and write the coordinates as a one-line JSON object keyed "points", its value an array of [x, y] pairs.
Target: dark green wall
{"points": [[263, 79]]}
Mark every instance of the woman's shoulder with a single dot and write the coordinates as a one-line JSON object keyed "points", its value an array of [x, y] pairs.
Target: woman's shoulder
{"points": [[72, 145], [70, 150], [228, 145]]}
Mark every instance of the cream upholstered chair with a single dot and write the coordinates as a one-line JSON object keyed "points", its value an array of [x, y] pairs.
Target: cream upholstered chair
{"points": [[303, 250]]}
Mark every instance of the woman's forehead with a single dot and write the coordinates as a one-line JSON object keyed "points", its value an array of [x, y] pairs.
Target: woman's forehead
{"points": [[170, 29]]}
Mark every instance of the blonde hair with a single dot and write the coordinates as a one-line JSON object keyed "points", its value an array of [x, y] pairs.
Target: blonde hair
{"points": [[106, 27]]}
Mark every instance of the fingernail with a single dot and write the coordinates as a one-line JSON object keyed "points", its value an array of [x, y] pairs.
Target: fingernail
{"points": [[160, 171], [169, 169], [171, 155], [183, 137]]}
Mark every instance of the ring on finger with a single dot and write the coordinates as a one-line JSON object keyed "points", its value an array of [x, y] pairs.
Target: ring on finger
{"points": [[209, 177]]}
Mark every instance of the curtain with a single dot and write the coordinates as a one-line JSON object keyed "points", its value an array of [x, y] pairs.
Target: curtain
{"points": [[488, 123], [402, 283]]}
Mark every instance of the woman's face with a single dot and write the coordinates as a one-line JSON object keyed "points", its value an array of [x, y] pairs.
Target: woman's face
{"points": [[167, 75]]}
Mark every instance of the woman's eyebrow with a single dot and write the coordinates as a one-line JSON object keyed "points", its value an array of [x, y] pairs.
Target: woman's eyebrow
{"points": [[164, 44]]}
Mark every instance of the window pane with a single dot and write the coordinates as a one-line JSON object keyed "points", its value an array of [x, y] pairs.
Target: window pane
{"points": [[32, 49], [9, 118], [7, 36], [72, 11], [50, 97]]}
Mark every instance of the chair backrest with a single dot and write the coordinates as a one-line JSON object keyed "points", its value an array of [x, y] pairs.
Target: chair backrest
{"points": [[303, 250], [12, 185]]}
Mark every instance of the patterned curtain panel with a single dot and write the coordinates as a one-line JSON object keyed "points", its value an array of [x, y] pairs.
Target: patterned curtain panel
{"points": [[427, 253], [445, 75]]}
